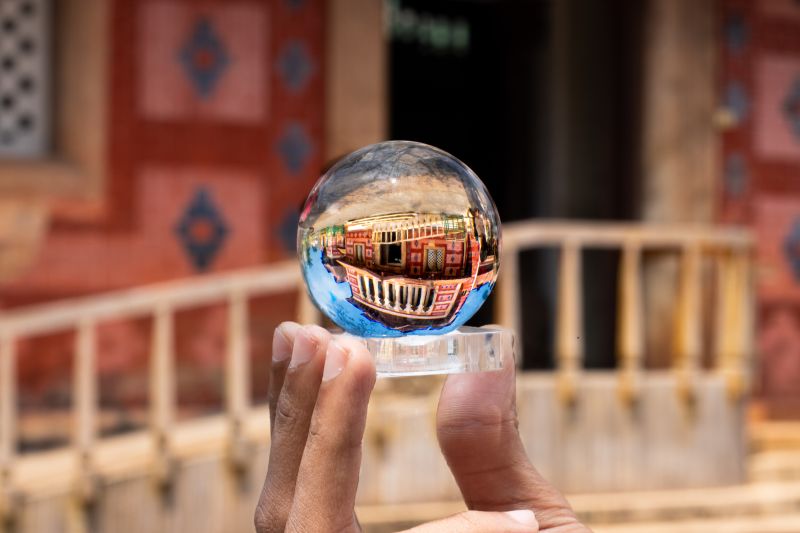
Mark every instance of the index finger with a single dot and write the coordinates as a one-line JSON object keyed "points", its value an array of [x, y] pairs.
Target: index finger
{"points": [[328, 475]]}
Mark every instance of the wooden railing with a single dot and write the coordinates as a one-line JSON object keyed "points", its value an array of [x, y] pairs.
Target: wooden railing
{"points": [[160, 302], [396, 294], [729, 249]]}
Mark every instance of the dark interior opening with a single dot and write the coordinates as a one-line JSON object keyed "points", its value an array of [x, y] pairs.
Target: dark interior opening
{"points": [[391, 254], [541, 99]]}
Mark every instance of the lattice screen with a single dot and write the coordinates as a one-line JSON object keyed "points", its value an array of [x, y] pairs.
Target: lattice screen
{"points": [[25, 77], [434, 260]]}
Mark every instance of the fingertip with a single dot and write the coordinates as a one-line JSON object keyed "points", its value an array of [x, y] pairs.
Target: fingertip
{"points": [[358, 351], [360, 363], [523, 516], [319, 334], [336, 359], [283, 340], [289, 325], [310, 342], [521, 521], [485, 396]]}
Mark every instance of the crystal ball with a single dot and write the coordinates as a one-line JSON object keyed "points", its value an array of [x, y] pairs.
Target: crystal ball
{"points": [[399, 238]]}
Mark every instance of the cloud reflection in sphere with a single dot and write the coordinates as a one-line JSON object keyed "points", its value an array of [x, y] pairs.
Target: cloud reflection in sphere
{"points": [[399, 238]]}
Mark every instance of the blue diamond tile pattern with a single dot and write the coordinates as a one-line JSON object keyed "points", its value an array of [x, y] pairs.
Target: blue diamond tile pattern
{"points": [[295, 65], [201, 229], [791, 247], [736, 33], [791, 107], [287, 231], [295, 146], [735, 175], [204, 57], [736, 100]]}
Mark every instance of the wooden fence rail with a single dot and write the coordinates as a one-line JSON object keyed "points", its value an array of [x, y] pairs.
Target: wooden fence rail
{"points": [[729, 249]]}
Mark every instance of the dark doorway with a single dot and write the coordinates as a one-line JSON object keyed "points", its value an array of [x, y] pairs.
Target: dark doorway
{"points": [[540, 98], [391, 254], [468, 94]]}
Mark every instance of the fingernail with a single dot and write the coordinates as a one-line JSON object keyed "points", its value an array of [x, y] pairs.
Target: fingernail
{"points": [[282, 343], [305, 346], [335, 360], [523, 516]]}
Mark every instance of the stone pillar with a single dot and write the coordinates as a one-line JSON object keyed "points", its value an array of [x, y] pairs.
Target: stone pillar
{"points": [[679, 144], [679, 137], [355, 76]]}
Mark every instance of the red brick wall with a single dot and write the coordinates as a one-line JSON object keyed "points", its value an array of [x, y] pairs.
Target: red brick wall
{"points": [[215, 120], [362, 237], [760, 84], [213, 104]]}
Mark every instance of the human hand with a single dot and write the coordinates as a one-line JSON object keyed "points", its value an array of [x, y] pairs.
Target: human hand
{"points": [[319, 391]]}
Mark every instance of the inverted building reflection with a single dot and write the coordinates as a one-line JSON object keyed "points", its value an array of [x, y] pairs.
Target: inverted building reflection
{"points": [[410, 268]]}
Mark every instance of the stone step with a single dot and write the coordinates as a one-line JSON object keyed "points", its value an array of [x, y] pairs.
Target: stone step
{"points": [[753, 499], [753, 503], [767, 436], [778, 523], [774, 465]]}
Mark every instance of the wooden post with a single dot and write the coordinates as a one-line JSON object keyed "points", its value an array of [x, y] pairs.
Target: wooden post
{"points": [[237, 376], [748, 325], [162, 391], [307, 312], [8, 424], [508, 311], [734, 320], [630, 335], [8, 402], [85, 409], [569, 327], [688, 341]]}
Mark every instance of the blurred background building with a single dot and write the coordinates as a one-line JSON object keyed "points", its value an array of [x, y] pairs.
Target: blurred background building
{"points": [[645, 155]]}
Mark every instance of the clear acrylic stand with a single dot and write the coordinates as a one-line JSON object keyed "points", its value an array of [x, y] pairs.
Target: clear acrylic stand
{"points": [[464, 350]]}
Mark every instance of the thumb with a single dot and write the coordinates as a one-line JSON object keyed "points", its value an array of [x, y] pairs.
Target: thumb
{"points": [[477, 430], [521, 521]]}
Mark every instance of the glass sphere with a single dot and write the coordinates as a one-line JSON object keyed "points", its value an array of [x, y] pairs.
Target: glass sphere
{"points": [[399, 238]]}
